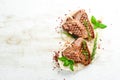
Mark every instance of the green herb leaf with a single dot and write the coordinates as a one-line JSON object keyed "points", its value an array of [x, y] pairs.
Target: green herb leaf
{"points": [[71, 62], [67, 34], [94, 47], [62, 58], [97, 24], [67, 62], [71, 67], [93, 20], [102, 26]]}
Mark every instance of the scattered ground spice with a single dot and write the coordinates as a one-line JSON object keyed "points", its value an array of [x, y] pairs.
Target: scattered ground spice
{"points": [[65, 14], [58, 17], [100, 39], [64, 79], [56, 55]]}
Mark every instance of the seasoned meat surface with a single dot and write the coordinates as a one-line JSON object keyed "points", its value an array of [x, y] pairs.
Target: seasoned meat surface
{"points": [[79, 25], [75, 28], [82, 17], [78, 51]]}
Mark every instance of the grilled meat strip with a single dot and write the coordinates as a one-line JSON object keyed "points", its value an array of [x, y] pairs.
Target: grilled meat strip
{"points": [[78, 52]]}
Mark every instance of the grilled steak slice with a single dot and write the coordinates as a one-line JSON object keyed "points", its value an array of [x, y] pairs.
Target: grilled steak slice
{"points": [[82, 17], [75, 28], [78, 51]]}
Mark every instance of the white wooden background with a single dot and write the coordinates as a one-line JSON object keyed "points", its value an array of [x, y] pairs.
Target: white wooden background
{"points": [[28, 39]]}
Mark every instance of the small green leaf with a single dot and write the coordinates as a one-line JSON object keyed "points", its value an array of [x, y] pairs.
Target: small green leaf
{"points": [[62, 58], [95, 27], [66, 63], [71, 67], [93, 20], [102, 26], [97, 24], [71, 62]]}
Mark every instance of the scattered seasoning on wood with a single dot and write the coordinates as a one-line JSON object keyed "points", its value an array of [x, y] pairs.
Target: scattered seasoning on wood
{"points": [[65, 14], [57, 29], [59, 42], [55, 60], [56, 55], [64, 79], [58, 17], [100, 39]]}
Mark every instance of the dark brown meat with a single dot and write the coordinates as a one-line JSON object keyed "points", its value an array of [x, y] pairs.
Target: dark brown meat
{"points": [[78, 51], [82, 17], [75, 28]]}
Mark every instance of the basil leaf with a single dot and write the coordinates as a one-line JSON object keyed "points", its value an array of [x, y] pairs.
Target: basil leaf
{"points": [[97, 24], [62, 58], [95, 27], [71, 62], [66, 63], [93, 20], [71, 67], [102, 26]]}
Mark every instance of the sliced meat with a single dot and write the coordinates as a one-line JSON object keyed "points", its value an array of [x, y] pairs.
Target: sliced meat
{"points": [[78, 51], [82, 17], [75, 28]]}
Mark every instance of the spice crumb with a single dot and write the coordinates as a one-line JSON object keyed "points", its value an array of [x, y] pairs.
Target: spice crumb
{"points": [[100, 39], [64, 79]]}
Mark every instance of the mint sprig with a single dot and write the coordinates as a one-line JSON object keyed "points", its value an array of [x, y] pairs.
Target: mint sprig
{"points": [[67, 62], [97, 24]]}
